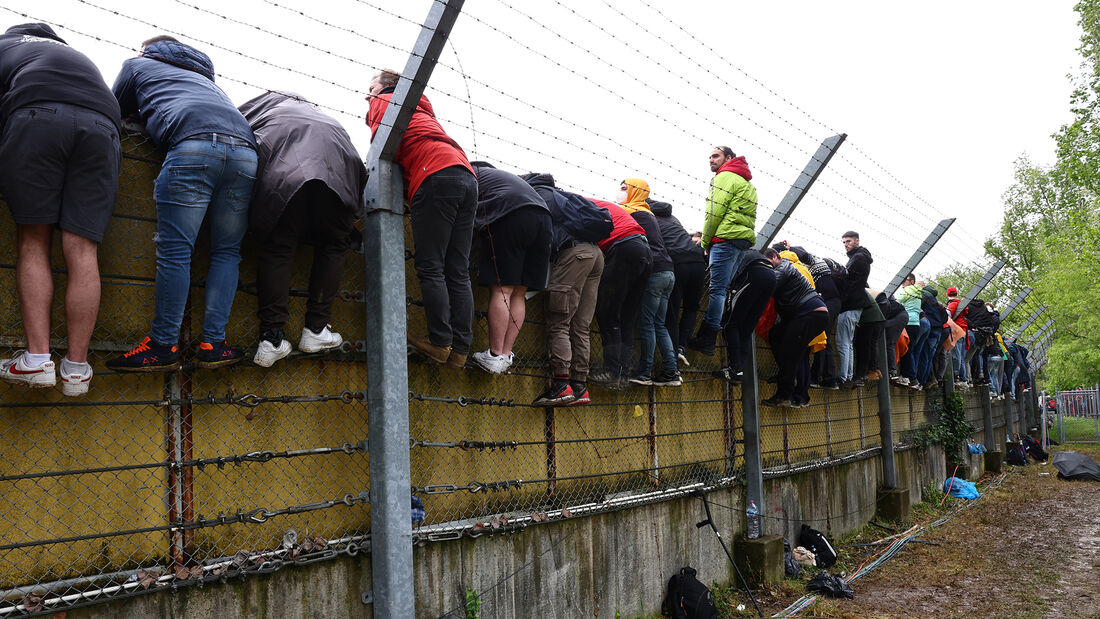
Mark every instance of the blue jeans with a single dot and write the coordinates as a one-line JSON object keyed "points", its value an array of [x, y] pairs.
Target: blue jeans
{"points": [[958, 358], [996, 371], [845, 333], [931, 345], [724, 260], [918, 335], [200, 176], [651, 322]]}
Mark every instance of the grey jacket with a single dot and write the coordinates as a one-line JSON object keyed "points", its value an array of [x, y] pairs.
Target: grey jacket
{"points": [[297, 143]]}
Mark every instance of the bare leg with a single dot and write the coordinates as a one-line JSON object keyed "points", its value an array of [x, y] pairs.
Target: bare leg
{"points": [[35, 284], [517, 306], [81, 293]]}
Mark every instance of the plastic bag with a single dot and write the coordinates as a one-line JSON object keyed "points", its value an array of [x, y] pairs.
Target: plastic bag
{"points": [[832, 586], [960, 488], [791, 568]]}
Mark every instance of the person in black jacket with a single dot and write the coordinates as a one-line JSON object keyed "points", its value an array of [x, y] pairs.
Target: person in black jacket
{"points": [[896, 319], [802, 317], [59, 162], [690, 265], [853, 301], [751, 289], [828, 278], [929, 359], [514, 232]]}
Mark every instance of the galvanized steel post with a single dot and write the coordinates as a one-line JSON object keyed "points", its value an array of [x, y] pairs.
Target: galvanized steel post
{"points": [[798, 190], [388, 376], [987, 417], [918, 255], [1014, 303], [886, 419], [1027, 323], [750, 423]]}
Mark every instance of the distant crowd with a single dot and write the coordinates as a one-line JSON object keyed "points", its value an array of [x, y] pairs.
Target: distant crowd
{"points": [[279, 168]]}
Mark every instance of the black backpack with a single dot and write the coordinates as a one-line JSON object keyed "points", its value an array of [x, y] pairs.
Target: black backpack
{"points": [[815, 541], [581, 218], [1015, 456], [977, 316], [688, 598]]}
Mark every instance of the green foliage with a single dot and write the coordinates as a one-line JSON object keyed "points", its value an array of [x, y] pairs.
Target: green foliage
{"points": [[473, 604], [950, 430]]}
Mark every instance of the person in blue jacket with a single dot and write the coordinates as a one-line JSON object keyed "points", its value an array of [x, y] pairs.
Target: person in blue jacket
{"points": [[208, 172]]}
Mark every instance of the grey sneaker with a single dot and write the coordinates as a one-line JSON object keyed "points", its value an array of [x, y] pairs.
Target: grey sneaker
{"points": [[316, 342]]}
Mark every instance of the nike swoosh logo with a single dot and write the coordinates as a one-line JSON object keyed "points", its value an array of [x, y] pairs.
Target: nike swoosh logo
{"points": [[15, 370]]}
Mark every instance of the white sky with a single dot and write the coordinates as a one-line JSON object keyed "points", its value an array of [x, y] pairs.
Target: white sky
{"points": [[945, 96]]}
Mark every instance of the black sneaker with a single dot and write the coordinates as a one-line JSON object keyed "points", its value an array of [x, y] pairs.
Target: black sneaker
{"points": [[580, 394], [831, 385], [668, 378], [217, 355], [776, 402], [642, 379], [558, 393], [148, 356]]}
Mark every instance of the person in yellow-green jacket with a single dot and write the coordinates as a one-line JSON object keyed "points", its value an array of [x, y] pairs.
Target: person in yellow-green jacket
{"points": [[728, 230]]}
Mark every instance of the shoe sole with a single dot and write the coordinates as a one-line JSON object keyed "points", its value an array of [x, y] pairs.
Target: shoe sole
{"points": [[256, 359], [312, 349], [211, 365], [677, 383], [683, 360], [644, 383], [74, 389], [29, 383], [148, 368], [555, 401]]}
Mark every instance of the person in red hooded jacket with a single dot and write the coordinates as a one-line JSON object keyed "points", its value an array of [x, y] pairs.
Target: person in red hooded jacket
{"points": [[442, 195], [958, 353]]}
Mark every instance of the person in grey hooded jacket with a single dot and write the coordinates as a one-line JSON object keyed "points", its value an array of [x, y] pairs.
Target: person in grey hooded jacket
{"points": [[309, 187]]}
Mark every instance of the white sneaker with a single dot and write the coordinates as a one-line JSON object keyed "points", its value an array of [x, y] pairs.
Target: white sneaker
{"points": [[267, 353], [316, 342], [16, 370], [493, 364], [74, 384]]}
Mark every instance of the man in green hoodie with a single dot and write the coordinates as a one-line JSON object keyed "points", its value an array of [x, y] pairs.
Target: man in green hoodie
{"points": [[728, 230]]}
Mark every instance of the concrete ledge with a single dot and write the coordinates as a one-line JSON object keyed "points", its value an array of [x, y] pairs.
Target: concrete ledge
{"points": [[760, 560], [893, 504], [993, 461]]}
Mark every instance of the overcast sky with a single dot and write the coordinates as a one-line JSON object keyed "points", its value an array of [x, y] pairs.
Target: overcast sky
{"points": [[938, 99]]}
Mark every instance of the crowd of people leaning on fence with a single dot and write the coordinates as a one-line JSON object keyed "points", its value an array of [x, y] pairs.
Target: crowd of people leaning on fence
{"points": [[279, 168]]}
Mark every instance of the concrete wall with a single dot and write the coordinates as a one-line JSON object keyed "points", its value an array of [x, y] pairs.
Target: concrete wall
{"points": [[581, 567]]}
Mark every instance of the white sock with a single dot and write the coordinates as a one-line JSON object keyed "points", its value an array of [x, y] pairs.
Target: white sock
{"points": [[35, 360], [72, 367]]}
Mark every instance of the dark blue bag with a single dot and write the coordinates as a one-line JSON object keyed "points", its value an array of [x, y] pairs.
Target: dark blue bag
{"points": [[581, 218]]}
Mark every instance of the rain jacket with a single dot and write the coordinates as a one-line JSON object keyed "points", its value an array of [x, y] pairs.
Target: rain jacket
{"points": [[637, 191], [171, 88], [792, 257], [731, 205], [37, 66], [425, 149], [910, 297], [298, 143], [625, 225]]}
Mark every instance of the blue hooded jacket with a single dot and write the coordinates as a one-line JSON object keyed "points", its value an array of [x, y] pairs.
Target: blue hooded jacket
{"points": [[171, 87]]}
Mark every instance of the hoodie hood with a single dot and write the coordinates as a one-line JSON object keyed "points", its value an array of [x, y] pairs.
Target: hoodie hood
{"points": [[637, 190], [930, 292], [180, 55], [738, 166], [660, 209], [863, 251], [536, 179], [36, 29]]}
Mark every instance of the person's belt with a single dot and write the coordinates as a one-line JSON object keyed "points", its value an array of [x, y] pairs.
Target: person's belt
{"points": [[219, 138]]}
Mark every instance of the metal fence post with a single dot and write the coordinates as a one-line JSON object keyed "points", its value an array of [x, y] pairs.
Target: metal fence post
{"points": [[973, 293], [918, 255], [1027, 323], [886, 420], [1015, 303], [750, 421], [798, 190], [987, 417], [388, 376]]}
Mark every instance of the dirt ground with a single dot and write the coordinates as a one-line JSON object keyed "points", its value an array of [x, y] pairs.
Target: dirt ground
{"points": [[1029, 548]]}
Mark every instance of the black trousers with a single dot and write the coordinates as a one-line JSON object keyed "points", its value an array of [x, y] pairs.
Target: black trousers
{"points": [[683, 303], [823, 368], [749, 302], [867, 336], [314, 215], [626, 270], [790, 341]]}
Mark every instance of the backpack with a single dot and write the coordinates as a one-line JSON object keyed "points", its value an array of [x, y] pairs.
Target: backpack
{"points": [[816, 542], [581, 218], [1015, 456], [1034, 449], [977, 317], [688, 598]]}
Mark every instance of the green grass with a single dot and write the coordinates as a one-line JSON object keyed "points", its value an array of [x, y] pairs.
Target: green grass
{"points": [[1080, 429]]}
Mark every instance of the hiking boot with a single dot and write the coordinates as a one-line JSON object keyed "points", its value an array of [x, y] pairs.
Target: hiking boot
{"points": [[703, 342], [439, 354], [491, 363], [580, 394], [776, 402], [16, 371], [681, 356], [456, 360], [267, 353], [873, 375], [668, 378], [642, 379], [147, 356], [75, 378], [558, 393], [316, 342], [217, 355]]}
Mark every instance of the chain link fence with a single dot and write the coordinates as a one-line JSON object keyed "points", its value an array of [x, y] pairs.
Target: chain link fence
{"points": [[165, 480], [1078, 415]]}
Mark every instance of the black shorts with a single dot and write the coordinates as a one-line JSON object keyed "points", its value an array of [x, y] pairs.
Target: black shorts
{"points": [[59, 165], [515, 250]]}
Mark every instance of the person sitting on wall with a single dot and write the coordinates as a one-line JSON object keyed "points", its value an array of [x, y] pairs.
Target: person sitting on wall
{"points": [[514, 232], [309, 188]]}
